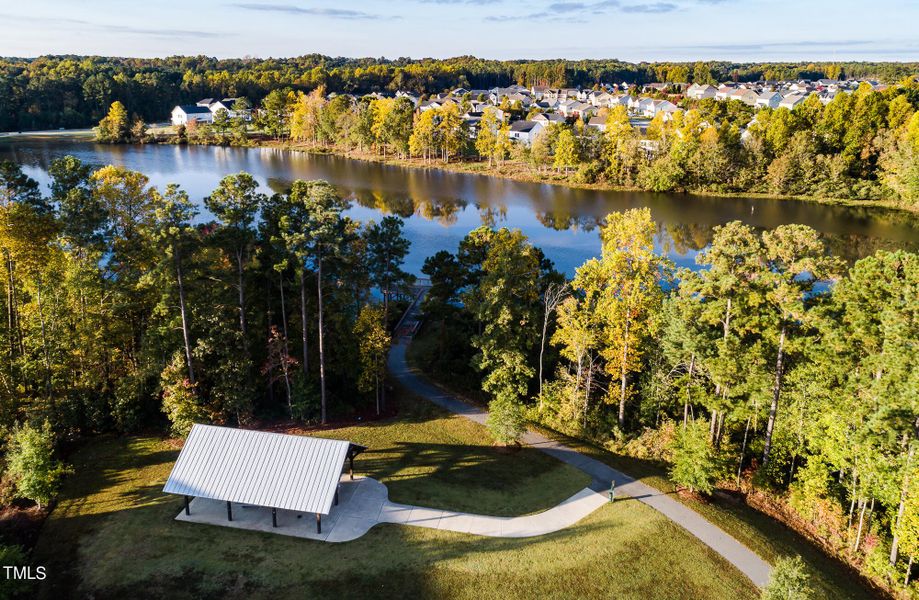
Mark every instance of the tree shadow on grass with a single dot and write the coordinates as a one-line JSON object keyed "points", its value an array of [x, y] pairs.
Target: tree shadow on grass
{"points": [[471, 478]]}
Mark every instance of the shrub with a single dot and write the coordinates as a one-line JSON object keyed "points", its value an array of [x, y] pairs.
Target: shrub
{"points": [[180, 400], [694, 462], [505, 420], [789, 581], [9, 587], [31, 463]]}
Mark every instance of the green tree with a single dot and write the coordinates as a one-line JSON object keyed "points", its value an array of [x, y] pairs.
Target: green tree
{"points": [[387, 248], [317, 239], [236, 202], [181, 401], [373, 343], [506, 305], [566, 150], [694, 461], [31, 463], [275, 114], [171, 230], [115, 128], [795, 263]]}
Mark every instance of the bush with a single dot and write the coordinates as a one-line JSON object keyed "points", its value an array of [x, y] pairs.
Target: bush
{"points": [[31, 463], [9, 587], [694, 463], [505, 420], [789, 581], [180, 399], [588, 173]]}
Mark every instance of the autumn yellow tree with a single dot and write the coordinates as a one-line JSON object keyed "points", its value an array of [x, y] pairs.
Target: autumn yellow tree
{"points": [[304, 119], [622, 290]]}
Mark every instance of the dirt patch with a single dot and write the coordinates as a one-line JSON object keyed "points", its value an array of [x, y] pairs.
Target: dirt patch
{"points": [[21, 523]]}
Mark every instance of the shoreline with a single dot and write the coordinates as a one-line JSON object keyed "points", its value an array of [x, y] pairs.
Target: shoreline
{"points": [[510, 171], [525, 175]]}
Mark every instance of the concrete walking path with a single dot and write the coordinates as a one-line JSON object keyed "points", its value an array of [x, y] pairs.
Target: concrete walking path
{"points": [[749, 563], [364, 502]]}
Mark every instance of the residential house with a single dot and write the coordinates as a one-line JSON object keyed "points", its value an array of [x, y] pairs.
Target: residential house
{"points": [[225, 104], [183, 115], [413, 97], [791, 100], [598, 123], [745, 95], [525, 131], [723, 92], [700, 92], [549, 118], [666, 107], [768, 99]]}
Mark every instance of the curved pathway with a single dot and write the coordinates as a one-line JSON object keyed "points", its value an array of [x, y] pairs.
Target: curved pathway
{"points": [[364, 503], [749, 563]]}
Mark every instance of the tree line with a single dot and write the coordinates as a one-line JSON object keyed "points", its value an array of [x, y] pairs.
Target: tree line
{"points": [[75, 91], [773, 366]]}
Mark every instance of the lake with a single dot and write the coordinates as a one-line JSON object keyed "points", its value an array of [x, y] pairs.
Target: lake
{"points": [[440, 207]]}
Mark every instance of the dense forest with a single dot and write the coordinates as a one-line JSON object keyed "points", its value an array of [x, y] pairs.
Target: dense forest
{"points": [[75, 91], [774, 367]]}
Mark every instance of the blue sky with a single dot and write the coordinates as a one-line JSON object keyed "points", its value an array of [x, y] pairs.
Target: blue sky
{"points": [[627, 29]]}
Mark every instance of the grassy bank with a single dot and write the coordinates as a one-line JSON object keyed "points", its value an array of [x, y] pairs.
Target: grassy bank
{"points": [[113, 534]]}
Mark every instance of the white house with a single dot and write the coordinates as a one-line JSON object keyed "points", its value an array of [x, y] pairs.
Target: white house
{"points": [[700, 92], [660, 106], [791, 100], [548, 118], [225, 104], [598, 123], [183, 115], [525, 131], [747, 96], [770, 99], [723, 92]]}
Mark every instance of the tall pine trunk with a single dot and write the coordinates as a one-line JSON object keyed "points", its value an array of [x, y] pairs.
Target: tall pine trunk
{"points": [[243, 326], [692, 364], [186, 336], [904, 490], [623, 372], [776, 391], [303, 322], [285, 368], [321, 343]]}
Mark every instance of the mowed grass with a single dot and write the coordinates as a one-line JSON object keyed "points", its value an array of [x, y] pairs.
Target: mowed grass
{"points": [[771, 539], [113, 534]]}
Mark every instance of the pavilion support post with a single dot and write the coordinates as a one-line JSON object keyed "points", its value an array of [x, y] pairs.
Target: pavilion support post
{"points": [[336, 496], [229, 511], [318, 523], [187, 507], [274, 517], [351, 468]]}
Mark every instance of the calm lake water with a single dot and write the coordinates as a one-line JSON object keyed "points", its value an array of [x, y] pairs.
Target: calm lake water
{"points": [[439, 207]]}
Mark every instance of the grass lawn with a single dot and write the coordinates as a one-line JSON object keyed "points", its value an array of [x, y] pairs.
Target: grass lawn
{"points": [[113, 534]]}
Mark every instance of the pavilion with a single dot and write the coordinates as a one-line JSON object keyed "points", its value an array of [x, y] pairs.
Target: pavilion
{"points": [[260, 468]]}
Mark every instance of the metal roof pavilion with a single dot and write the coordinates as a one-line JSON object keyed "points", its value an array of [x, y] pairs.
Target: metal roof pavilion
{"points": [[276, 470]]}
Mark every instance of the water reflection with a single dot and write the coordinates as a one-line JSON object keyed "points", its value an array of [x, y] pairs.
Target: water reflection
{"points": [[441, 207]]}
